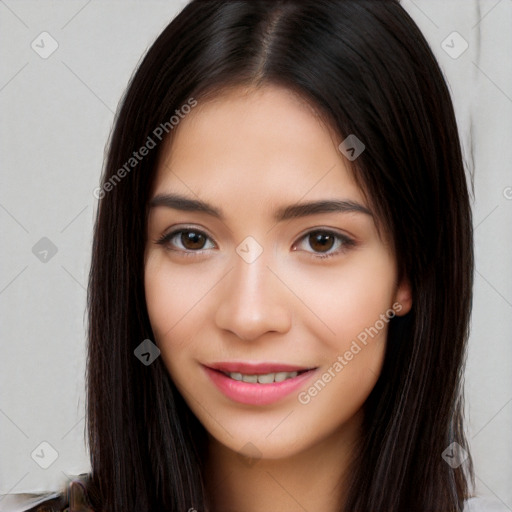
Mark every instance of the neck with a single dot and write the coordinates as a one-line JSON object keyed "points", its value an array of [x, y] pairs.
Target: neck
{"points": [[313, 479]]}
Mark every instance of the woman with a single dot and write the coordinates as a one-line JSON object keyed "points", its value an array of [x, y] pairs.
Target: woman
{"points": [[282, 270]]}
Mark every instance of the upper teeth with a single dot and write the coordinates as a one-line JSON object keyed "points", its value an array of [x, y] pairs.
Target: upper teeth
{"points": [[267, 378]]}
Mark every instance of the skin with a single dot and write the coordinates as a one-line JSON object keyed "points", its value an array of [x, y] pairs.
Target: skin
{"points": [[249, 152]]}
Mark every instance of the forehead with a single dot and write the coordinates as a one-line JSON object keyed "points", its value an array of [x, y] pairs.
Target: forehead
{"points": [[261, 143]]}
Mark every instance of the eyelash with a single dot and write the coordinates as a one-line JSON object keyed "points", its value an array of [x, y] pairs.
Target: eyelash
{"points": [[346, 242]]}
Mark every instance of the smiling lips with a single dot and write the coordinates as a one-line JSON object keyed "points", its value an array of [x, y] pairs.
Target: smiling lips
{"points": [[257, 384]]}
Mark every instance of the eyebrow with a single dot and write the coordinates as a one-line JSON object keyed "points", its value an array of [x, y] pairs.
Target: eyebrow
{"points": [[294, 211]]}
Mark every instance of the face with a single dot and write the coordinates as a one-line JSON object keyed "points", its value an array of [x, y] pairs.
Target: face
{"points": [[271, 317]]}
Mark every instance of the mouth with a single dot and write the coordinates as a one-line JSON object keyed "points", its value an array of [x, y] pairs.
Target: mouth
{"points": [[257, 383]]}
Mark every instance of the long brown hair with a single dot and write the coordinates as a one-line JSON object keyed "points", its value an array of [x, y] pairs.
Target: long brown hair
{"points": [[366, 66]]}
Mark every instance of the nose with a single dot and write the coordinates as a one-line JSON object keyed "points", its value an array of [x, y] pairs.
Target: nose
{"points": [[253, 301]]}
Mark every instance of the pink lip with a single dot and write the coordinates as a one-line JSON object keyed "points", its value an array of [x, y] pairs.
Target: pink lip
{"points": [[256, 393]]}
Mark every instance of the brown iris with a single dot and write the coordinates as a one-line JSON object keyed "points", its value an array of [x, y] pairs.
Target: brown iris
{"points": [[195, 239], [321, 241]]}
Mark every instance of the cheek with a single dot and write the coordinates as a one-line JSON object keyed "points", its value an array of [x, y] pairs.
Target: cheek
{"points": [[350, 300], [355, 304], [175, 306]]}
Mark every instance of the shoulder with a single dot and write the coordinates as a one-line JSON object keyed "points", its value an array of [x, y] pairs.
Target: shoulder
{"points": [[72, 499], [481, 504]]}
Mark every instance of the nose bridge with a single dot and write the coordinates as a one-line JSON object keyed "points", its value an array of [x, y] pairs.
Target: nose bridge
{"points": [[253, 299]]}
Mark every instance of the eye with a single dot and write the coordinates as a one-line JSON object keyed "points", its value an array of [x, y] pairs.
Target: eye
{"points": [[322, 241], [187, 241], [191, 242]]}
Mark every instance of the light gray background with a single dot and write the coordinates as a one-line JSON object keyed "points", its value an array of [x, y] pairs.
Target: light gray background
{"points": [[57, 113]]}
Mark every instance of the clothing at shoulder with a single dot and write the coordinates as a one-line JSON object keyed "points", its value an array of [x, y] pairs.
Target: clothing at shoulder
{"points": [[74, 499], [480, 504]]}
